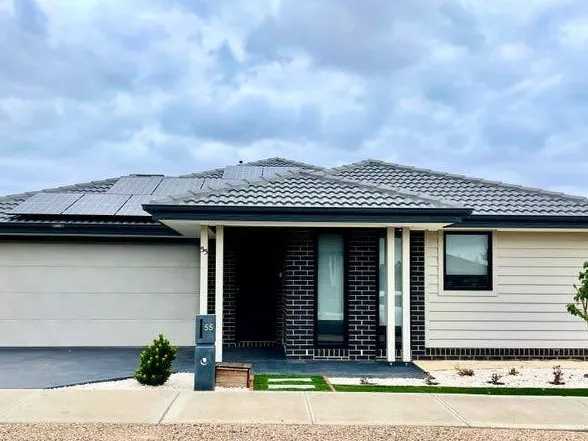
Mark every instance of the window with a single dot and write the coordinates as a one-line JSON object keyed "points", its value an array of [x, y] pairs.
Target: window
{"points": [[468, 258], [330, 295]]}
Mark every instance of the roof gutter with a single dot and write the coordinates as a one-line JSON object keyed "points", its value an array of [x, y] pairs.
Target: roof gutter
{"points": [[495, 221], [305, 214], [72, 229]]}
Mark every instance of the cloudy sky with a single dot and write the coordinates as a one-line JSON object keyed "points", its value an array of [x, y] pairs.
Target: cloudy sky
{"points": [[91, 89]]}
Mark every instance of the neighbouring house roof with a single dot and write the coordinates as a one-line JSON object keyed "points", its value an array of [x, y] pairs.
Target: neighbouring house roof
{"points": [[283, 184]]}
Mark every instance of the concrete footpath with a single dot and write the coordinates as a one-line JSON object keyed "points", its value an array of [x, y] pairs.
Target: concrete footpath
{"points": [[161, 407]]}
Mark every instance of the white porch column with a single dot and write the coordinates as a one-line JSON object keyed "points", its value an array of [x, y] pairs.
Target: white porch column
{"points": [[218, 290], [390, 297], [406, 356], [203, 308]]}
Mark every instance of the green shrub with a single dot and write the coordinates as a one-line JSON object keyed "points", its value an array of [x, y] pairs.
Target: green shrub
{"points": [[156, 362]]}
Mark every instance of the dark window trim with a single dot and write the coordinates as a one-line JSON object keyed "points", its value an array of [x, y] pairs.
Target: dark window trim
{"points": [[345, 344], [490, 285]]}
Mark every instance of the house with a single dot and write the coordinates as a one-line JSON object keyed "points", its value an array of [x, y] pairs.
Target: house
{"points": [[366, 261]]}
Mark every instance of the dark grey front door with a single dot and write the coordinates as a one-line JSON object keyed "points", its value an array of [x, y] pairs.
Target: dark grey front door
{"points": [[259, 285]]}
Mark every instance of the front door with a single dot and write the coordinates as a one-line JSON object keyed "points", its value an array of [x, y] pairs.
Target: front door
{"points": [[259, 263]]}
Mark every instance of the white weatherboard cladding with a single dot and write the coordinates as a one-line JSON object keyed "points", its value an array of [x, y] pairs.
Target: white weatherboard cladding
{"points": [[534, 277], [97, 294]]}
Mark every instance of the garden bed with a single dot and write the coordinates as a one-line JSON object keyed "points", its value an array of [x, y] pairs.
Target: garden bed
{"points": [[182, 381], [539, 378]]}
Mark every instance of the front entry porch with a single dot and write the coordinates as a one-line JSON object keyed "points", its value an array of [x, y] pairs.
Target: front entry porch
{"points": [[273, 361], [331, 293]]}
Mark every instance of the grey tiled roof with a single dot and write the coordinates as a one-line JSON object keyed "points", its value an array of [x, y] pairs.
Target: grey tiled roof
{"points": [[483, 196], [269, 162], [367, 184], [305, 189]]}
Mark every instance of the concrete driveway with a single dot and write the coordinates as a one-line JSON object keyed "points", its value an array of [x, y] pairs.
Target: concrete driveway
{"points": [[28, 368]]}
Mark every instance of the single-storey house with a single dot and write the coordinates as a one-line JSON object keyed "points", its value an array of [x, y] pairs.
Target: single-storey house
{"points": [[368, 261]]}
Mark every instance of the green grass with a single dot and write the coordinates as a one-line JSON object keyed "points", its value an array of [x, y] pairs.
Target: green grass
{"points": [[260, 382], [464, 390]]}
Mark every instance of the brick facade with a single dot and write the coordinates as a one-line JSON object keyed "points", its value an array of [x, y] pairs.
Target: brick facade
{"points": [[362, 293], [299, 293]]}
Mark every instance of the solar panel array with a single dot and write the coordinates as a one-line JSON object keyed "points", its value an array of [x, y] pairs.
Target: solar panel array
{"points": [[47, 203], [135, 185], [102, 204], [242, 172], [171, 186], [133, 206], [129, 193]]}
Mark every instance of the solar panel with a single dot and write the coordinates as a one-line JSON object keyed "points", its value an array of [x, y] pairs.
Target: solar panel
{"points": [[135, 185], [177, 186], [242, 172], [133, 206], [101, 204], [268, 172], [214, 183], [47, 203]]}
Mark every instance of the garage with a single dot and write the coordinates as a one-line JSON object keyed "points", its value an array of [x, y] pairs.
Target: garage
{"points": [[98, 293]]}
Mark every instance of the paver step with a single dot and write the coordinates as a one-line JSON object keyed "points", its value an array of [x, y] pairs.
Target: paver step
{"points": [[289, 380], [291, 386]]}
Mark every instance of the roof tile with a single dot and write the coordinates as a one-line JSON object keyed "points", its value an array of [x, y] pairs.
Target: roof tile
{"points": [[483, 196]]}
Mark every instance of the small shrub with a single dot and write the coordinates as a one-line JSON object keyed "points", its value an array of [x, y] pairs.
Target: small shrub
{"points": [[430, 380], [462, 372], [558, 376], [495, 380], [513, 372], [365, 381], [156, 362]]}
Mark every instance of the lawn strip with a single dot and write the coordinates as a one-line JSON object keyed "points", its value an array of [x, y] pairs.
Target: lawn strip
{"points": [[465, 390]]}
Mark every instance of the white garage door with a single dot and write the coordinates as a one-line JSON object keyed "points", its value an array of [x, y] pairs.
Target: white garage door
{"points": [[97, 294]]}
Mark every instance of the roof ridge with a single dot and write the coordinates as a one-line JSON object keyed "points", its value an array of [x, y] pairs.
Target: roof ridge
{"points": [[279, 158], [462, 177], [253, 164]]}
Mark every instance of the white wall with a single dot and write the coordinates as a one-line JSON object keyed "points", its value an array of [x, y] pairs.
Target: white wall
{"points": [[534, 277], [97, 294]]}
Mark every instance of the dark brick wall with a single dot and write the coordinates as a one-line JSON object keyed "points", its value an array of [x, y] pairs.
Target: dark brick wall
{"points": [[362, 293], [230, 289], [417, 316], [299, 293], [211, 275], [417, 293]]}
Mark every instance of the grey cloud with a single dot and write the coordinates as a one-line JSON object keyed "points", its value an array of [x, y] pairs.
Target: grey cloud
{"points": [[417, 81], [30, 17], [339, 34]]}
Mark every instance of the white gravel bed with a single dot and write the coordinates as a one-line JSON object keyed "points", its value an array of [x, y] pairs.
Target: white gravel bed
{"points": [[182, 381], [574, 378]]}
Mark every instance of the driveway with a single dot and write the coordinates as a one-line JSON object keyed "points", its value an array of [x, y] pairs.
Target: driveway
{"points": [[38, 368], [25, 368]]}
